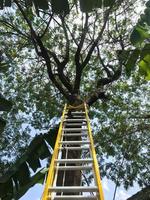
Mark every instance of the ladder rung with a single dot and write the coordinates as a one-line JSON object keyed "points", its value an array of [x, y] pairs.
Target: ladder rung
{"points": [[76, 116], [74, 148], [74, 129], [68, 168], [75, 120], [74, 124], [75, 197], [73, 189], [74, 160], [75, 134], [77, 112], [74, 142]]}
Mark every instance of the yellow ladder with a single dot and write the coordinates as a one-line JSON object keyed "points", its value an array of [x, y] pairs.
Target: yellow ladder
{"points": [[76, 117]]}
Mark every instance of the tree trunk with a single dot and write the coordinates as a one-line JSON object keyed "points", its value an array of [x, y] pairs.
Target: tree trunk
{"points": [[144, 194]]}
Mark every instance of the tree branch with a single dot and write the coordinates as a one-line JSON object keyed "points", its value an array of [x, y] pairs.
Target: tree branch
{"points": [[80, 45], [44, 32], [9, 25], [102, 63], [86, 60], [77, 57], [66, 59], [99, 93], [44, 53], [114, 77]]}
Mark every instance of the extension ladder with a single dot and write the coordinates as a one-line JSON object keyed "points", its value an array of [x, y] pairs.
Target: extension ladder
{"points": [[74, 135]]}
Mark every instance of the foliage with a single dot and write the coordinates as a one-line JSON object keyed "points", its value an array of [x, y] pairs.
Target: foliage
{"points": [[62, 6], [125, 147], [144, 194], [14, 183], [54, 57], [140, 37], [5, 105]]}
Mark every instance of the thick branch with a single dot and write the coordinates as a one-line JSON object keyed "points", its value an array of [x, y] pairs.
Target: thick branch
{"points": [[96, 96], [80, 45], [72, 35], [102, 63], [52, 78], [47, 26], [77, 57], [99, 93], [44, 54], [114, 77], [86, 60], [66, 59], [64, 78]]}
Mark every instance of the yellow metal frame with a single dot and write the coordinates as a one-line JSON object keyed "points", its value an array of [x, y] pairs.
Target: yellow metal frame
{"points": [[51, 173], [96, 166]]}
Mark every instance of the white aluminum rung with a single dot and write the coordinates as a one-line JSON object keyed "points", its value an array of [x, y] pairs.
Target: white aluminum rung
{"points": [[73, 189], [74, 148], [74, 142], [76, 116], [68, 168], [74, 160], [74, 124], [75, 197], [74, 129], [77, 112], [75, 120], [75, 134]]}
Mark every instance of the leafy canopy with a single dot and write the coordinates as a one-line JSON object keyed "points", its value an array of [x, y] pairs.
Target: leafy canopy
{"points": [[54, 56]]}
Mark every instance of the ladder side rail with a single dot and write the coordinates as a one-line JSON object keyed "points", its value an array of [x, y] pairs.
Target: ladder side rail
{"points": [[50, 176], [95, 163]]}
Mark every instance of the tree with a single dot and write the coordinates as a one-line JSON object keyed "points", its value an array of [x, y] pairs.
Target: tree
{"points": [[68, 55], [143, 194]]}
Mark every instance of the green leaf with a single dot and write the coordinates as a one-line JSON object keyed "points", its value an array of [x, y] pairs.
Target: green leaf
{"points": [[2, 125], [108, 3], [130, 65], [39, 177], [147, 16], [8, 3], [138, 35], [42, 4], [145, 51], [3, 67], [34, 161], [43, 151], [60, 6], [123, 55], [148, 4], [28, 3], [144, 67], [5, 105], [88, 5], [6, 190], [20, 172], [1, 4], [52, 138], [23, 175]]}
